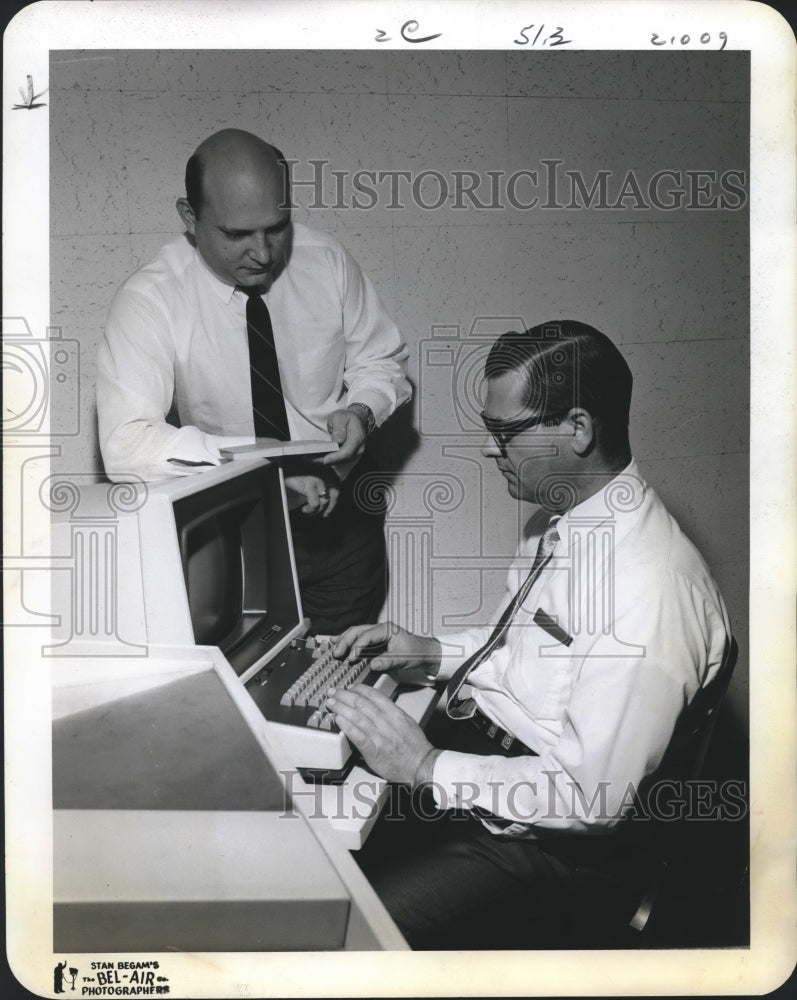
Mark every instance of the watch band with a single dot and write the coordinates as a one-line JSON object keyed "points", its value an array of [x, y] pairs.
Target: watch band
{"points": [[368, 413]]}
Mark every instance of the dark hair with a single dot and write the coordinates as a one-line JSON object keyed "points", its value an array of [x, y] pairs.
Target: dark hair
{"points": [[194, 170], [570, 364]]}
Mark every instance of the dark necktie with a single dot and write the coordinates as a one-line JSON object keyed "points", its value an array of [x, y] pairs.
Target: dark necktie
{"points": [[268, 403], [464, 708]]}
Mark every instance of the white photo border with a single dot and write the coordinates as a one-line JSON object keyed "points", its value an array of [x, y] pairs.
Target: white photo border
{"points": [[171, 24]]}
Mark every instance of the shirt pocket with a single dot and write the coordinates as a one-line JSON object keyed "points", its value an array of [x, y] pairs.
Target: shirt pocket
{"points": [[539, 673]]}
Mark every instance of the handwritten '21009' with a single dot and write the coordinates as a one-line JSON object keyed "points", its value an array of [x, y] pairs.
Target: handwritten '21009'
{"points": [[684, 40]]}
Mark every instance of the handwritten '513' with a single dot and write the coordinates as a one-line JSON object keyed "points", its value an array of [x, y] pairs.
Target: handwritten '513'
{"points": [[553, 39]]}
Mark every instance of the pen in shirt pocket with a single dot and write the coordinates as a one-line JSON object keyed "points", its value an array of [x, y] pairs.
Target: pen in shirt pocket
{"points": [[552, 627]]}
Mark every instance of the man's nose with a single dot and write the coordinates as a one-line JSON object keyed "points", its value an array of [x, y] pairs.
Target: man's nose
{"points": [[260, 249], [489, 448]]}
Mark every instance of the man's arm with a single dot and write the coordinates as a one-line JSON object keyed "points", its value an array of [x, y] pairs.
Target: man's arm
{"points": [[390, 647], [617, 725], [614, 733], [135, 388], [375, 366], [616, 729]]}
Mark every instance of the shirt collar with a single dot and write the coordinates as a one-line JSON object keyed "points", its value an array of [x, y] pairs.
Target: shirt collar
{"points": [[622, 495]]}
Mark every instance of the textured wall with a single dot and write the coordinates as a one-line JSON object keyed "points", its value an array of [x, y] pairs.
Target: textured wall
{"points": [[670, 286]]}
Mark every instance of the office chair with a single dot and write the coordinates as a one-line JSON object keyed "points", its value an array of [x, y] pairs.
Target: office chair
{"points": [[684, 760]]}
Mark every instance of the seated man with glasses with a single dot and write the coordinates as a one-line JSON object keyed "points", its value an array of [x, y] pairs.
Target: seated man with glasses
{"points": [[558, 713]]}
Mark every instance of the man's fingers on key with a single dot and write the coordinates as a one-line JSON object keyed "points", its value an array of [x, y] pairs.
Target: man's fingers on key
{"points": [[373, 715], [384, 661], [341, 644], [391, 743], [370, 641], [352, 701], [379, 717], [351, 729], [353, 711], [372, 696]]}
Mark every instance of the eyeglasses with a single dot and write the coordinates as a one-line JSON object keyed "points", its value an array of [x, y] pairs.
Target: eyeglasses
{"points": [[504, 430]]}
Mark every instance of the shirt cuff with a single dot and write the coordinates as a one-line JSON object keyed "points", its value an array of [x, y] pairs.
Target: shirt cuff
{"points": [[376, 402], [462, 781], [192, 447], [454, 650], [158, 451], [450, 787]]}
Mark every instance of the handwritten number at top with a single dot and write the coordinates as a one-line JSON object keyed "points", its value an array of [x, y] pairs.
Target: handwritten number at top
{"points": [[555, 38], [407, 29], [684, 40]]}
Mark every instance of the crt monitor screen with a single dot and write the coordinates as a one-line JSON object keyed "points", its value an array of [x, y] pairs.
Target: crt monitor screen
{"points": [[213, 563], [237, 565]]}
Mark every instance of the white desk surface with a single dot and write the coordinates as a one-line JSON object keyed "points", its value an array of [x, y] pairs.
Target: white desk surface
{"points": [[84, 686]]}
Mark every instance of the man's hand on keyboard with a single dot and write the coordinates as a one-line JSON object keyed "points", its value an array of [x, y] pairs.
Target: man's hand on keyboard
{"points": [[391, 743], [388, 647]]}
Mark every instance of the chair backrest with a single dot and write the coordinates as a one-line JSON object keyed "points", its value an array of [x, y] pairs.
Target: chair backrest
{"points": [[684, 760], [686, 753], [715, 693]]}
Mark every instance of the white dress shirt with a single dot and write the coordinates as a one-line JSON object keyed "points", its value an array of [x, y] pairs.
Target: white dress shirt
{"points": [[176, 334], [648, 629]]}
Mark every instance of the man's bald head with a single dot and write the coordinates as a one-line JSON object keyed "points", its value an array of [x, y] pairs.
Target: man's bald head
{"points": [[237, 210], [232, 153]]}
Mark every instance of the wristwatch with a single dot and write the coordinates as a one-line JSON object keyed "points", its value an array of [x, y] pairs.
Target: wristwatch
{"points": [[368, 413]]}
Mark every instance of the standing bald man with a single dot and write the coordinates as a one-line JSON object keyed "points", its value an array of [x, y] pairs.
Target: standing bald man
{"points": [[174, 384]]}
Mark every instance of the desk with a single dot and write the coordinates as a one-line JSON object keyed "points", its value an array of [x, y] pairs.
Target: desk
{"points": [[173, 824]]}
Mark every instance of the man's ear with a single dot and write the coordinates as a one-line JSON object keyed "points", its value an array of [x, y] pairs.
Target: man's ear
{"points": [[186, 214], [583, 439]]}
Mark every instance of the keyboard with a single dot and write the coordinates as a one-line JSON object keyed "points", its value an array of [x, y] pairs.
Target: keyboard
{"points": [[291, 690]]}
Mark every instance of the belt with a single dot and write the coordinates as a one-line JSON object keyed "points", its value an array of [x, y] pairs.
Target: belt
{"points": [[508, 744]]}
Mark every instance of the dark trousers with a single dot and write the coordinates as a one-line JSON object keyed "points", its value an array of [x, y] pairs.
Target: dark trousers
{"points": [[449, 883], [340, 559]]}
